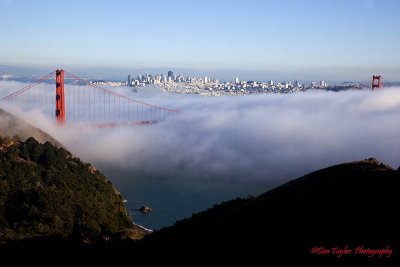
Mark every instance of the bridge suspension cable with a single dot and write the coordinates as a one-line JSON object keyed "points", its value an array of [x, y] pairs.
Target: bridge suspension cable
{"points": [[84, 102]]}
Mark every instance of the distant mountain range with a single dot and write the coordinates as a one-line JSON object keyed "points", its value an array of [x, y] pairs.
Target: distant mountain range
{"points": [[23, 71]]}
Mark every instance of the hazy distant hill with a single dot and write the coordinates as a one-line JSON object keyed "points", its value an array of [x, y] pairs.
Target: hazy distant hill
{"points": [[353, 204], [23, 71], [10, 125]]}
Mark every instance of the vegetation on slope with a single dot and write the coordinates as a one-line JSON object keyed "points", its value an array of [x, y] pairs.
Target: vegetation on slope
{"points": [[45, 191]]}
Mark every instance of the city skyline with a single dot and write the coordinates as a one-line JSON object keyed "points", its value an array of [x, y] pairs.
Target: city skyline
{"points": [[324, 40]]}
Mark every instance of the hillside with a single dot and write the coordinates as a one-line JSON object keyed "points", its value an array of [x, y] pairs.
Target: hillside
{"points": [[51, 202], [10, 125], [352, 204], [46, 193]]}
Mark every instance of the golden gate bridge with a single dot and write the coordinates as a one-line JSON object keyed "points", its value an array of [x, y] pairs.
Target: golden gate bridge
{"points": [[84, 103], [89, 104]]}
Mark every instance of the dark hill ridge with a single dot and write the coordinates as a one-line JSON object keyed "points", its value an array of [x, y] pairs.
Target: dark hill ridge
{"points": [[353, 204]]}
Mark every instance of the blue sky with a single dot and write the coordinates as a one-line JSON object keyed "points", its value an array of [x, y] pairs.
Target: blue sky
{"points": [[314, 39]]}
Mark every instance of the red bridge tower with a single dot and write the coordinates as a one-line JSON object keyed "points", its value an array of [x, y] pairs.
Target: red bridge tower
{"points": [[60, 99], [377, 78]]}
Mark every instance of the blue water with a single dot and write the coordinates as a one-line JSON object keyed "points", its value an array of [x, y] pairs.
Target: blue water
{"points": [[172, 199]]}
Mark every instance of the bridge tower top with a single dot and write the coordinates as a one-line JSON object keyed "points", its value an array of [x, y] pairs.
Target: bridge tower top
{"points": [[376, 82]]}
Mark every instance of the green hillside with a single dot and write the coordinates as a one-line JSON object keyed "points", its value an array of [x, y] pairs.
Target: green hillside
{"points": [[46, 192]]}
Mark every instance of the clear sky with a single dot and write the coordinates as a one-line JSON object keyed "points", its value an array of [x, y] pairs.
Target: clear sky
{"points": [[335, 38]]}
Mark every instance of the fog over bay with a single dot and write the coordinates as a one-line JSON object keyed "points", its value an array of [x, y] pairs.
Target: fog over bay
{"points": [[266, 139]]}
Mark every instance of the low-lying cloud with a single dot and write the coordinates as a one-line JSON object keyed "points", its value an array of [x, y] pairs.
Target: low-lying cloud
{"points": [[266, 139]]}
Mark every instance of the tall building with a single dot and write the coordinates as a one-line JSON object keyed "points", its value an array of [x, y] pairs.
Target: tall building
{"points": [[271, 82], [170, 74], [237, 80], [129, 79], [157, 79]]}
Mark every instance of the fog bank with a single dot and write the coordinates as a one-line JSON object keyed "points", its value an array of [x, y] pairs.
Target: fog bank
{"points": [[266, 139]]}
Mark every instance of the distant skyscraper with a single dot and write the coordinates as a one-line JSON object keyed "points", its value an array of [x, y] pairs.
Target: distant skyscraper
{"points": [[170, 74], [129, 79], [205, 79], [271, 82], [237, 80]]}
